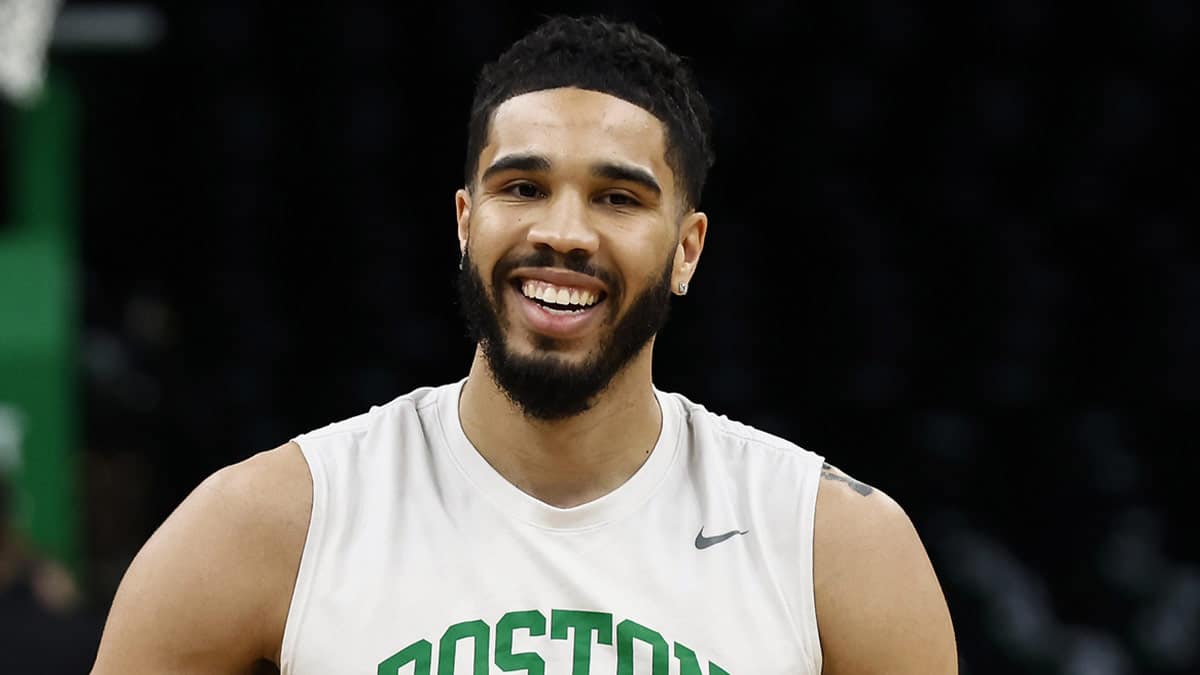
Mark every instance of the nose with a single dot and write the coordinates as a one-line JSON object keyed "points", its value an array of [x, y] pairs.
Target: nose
{"points": [[565, 226]]}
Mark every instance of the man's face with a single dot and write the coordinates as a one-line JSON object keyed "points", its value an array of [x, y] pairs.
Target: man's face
{"points": [[572, 245]]}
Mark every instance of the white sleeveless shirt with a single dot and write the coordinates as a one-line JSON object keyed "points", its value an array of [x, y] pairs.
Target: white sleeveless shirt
{"points": [[422, 560]]}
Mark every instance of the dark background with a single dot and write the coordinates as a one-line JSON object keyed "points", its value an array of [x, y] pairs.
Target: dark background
{"points": [[951, 248]]}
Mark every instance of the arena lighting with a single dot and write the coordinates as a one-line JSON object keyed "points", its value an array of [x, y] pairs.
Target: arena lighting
{"points": [[28, 28], [25, 27]]}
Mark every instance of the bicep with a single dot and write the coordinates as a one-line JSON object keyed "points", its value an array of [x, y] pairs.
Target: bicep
{"points": [[880, 608], [192, 600]]}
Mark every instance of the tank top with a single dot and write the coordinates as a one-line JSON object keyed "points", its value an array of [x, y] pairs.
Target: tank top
{"points": [[421, 559]]}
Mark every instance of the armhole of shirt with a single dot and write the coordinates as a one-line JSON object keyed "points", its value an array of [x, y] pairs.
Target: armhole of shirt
{"points": [[298, 608], [811, 639]]}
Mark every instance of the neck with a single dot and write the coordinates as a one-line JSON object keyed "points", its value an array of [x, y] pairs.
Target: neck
{"points": [[565, 462]]}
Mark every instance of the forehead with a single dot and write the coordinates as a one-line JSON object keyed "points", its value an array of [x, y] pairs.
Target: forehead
{"points": [[570, 125]]}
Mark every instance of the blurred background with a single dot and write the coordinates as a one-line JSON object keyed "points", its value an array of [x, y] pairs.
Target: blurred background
{"points": [[953, 249]]}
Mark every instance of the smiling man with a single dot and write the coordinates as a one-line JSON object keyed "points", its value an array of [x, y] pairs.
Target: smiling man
{"points": [[553, 511]]}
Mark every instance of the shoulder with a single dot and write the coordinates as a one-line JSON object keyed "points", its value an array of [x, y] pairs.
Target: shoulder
{"points": [[210, 589], [267, 494], [402, 412], [872, 577], [738, 440], [854, 525]]}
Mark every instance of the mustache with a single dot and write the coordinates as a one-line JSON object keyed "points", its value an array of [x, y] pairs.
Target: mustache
{"points": [[579, 263]]}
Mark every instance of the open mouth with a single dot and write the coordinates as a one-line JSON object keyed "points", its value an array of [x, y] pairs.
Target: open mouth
{"points": [[559, 299], [562, 310]]}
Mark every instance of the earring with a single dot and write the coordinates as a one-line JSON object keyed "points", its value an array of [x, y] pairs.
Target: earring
{"points": [[460, 261], [683, 288]]}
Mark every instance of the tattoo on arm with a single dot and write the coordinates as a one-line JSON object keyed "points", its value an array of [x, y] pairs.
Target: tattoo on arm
{"points": [[827, 472]]}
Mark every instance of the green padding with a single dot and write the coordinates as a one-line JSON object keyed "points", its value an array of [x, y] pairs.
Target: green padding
{"points": [[38, 309]]}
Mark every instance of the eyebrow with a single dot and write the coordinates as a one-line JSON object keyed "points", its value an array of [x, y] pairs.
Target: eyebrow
{"points": [[628, 173], [520, 162], [539, 163]]}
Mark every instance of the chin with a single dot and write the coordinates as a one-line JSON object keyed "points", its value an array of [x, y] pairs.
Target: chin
{"points": [[534, 345]]}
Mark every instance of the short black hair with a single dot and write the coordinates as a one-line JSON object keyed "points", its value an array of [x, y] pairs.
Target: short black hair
{"points": [[618, 59]]}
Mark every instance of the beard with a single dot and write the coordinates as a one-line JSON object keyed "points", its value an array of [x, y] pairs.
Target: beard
{"points": [[544, 385]]}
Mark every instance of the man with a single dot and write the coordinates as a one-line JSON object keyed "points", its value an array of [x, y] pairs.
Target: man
{"points": [[553, 512]]}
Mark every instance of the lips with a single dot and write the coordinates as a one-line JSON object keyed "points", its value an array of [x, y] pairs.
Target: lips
{"points": [[565, 320], [560, 278]]}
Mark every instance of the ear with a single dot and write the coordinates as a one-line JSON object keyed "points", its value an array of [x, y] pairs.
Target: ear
{"points": [[692, 230], [462, 207]]}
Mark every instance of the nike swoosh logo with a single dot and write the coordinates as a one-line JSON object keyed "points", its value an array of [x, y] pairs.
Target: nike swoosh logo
{"points": [[704, 542]]}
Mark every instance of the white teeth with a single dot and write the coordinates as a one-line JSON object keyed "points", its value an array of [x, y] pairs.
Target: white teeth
{"points": [[540, 290]]}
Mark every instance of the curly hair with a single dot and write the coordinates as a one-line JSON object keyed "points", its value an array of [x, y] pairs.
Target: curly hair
{"points": [[613, 58]]}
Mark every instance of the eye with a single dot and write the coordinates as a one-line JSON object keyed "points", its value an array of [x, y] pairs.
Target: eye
{"points": [[620, 199], [524, 190]]}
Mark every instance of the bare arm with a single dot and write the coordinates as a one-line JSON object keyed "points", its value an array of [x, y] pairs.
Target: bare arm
{"points": [[880, 608], [210, 590]]}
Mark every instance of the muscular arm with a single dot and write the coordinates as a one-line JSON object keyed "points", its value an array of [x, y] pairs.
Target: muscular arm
{"points": [[880, 608], [210, 590]]}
